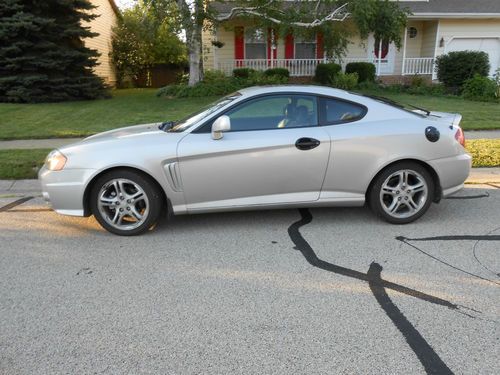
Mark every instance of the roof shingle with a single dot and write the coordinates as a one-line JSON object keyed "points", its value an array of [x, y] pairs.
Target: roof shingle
{"points": [[432, 6], [453, 6]]}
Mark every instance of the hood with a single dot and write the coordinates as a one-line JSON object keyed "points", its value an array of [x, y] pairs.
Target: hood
{"points": [[127, 132], [146, 134], [124, 146]]}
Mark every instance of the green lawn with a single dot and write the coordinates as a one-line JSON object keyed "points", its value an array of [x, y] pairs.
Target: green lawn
{"points": [[21, 164], [83, 118], [136, 106]]}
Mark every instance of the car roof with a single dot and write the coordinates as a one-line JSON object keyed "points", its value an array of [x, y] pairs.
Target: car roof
{"points": [[305, 89], [367, 101], [256, 90]]}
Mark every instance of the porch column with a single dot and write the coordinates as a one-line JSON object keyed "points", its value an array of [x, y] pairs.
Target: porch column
{"points": [[404, 52], [378, 56], [214, 49]]}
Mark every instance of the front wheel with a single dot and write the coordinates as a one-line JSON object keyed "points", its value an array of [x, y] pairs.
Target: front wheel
{"points": [[402, 193], [125, 202]]}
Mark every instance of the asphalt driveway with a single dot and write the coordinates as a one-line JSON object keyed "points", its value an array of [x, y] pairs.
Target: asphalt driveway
{"points": [[285, 292]]}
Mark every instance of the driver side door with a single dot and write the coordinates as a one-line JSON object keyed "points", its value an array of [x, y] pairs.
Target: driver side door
{"points": [[275, 153]]}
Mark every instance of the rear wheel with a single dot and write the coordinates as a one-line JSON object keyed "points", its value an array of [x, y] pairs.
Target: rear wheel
{"points": [[402, 193], [125, 202]]}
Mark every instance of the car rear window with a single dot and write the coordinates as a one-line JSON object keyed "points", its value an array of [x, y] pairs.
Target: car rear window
{"points": [[336, 111]]}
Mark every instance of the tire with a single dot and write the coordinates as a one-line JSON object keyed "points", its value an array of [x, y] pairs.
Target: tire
{"points": [[402, 193], [125, 202]]}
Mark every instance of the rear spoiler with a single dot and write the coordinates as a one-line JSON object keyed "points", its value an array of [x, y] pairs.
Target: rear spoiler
{"points": [[450, 118]]}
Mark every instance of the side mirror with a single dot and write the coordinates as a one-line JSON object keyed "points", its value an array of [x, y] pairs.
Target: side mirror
{"points": [[222, 124]]}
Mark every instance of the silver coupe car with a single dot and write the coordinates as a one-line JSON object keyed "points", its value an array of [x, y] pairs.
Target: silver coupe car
{"points": [[263, 147]]}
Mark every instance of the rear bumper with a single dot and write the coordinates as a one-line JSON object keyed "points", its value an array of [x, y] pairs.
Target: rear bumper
{"points": [[64, 189], [452, 172]]}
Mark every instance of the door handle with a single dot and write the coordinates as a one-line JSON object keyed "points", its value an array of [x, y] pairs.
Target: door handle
{"points": [[307, 143]]}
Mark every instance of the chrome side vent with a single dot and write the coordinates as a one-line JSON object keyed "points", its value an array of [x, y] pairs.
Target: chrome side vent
{"points": [[172, 172]]}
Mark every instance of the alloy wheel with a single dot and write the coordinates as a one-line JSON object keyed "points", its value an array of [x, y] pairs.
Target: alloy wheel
{"points": [[403, 194], [123, 204]]}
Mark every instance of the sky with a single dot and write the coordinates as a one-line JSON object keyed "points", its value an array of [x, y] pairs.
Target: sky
{"points": [[124, 3]]}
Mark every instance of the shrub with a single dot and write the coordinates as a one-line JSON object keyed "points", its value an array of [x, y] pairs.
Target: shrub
{"points": [[432, 89], [201, 89], [485, 152], [183, 78], [264, 78], [215, 83], [346, 81], [368, 86], [242, 72], [480, 88], [497, 81], [280, 72], [417, 81], [211, 76], [455, 68], [366, 71], [325, 72]]}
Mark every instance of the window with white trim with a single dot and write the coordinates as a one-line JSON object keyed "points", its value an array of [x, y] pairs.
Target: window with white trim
{"points": [[255, 44], [305, 48]]}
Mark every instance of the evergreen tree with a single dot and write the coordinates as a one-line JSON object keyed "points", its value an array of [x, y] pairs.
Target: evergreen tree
{"points": [[42, 54]]}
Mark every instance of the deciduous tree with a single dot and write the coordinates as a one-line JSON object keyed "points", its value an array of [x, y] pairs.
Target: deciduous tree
{"points": [[144, 38], [384, 18]]}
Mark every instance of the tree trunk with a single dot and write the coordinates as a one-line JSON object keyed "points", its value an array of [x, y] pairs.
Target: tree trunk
{"points": [[195, 55]]}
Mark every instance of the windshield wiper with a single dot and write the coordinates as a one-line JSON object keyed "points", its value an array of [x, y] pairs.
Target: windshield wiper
{"points": [[166, 126], [385, 100]]}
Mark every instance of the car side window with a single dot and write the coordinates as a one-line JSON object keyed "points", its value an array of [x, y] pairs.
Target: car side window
{"points": [[337, 111], [274, 112]]}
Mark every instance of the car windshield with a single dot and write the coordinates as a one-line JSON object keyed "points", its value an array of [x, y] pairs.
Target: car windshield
{"points": [[194, 118]]}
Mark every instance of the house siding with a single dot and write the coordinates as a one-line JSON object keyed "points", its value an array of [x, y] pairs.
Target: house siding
{"points": [[102, 43], [424, 45], [430, 29], [225, 34], [450, 29]]}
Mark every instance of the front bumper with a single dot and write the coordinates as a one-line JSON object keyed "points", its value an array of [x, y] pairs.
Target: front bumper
{"points": [[64, 189], [452, 172]]}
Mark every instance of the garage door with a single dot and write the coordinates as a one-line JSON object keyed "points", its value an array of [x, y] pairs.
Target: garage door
{"points": [[489, 45]]}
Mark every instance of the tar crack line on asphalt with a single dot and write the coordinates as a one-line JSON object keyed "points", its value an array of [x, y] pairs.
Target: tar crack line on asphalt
{"points": [[424, 352], [477, 238], [474, 253], [303, 246], [485, 195], [431, 361], [15, 203]]}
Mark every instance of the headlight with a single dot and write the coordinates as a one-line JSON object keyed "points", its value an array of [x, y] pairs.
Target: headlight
{"points": [[55, 161]]}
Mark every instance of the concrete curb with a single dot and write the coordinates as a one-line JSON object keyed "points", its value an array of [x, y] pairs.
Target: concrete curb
{"points": [[484, 176], [21, 187], [478, 176]]}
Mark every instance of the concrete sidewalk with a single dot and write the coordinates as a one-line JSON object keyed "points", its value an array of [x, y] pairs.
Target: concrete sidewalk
{"points": [[59, 142], [37, 143], [482, 134], [19, 187]]}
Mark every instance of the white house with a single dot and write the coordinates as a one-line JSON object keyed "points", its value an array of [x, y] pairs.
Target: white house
{"points": [[435, 27]]}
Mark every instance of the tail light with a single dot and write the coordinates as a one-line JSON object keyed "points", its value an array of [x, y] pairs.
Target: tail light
{"points": [[460, 137]]}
